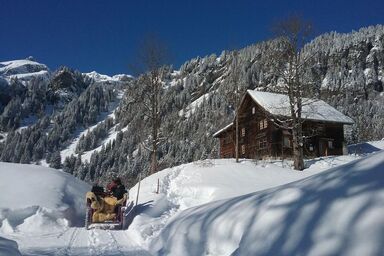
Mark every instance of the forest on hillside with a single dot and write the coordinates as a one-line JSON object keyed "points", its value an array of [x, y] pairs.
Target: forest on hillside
{"points": [[41, 117]]}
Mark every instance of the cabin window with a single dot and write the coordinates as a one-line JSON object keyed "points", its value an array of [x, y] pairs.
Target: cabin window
{"points": [[330, 144], [286, 142], [263, 124], [253, 110], [263, 143], [242, 132], [243, 149]]}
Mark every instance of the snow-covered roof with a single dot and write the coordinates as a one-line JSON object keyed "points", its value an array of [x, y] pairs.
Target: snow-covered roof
{"points": [[278, 105], [313, 109], [222, 130]]}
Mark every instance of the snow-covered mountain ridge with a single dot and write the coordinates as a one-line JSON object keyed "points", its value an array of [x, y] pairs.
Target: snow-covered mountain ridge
{"points": [[28, 69], [24, 70], [105, 78]]}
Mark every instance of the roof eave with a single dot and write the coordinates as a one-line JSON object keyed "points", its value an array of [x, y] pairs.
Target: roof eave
{"points": [[224, 129]]}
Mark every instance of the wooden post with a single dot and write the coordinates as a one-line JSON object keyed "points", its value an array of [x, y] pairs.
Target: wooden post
{"points": [[138, 189], [237, 135], [158, 186]]}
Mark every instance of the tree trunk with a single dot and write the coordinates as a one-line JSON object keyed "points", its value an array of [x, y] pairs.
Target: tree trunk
{"points": [[237, 138], [298, 158], [155, 122]]}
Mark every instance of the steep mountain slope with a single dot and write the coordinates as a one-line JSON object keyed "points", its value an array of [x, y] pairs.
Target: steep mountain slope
{"points": [[41, 117]]}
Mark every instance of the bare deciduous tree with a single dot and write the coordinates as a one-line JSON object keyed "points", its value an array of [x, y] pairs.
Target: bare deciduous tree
{"points": [[152, 59], [289, 64]]}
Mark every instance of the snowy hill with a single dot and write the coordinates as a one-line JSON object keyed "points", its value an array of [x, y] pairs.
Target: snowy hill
{"points": [[43, 210], [24, 70], [337, 212], [202, 182], [36, 201], [39, 198], [205, 207]]}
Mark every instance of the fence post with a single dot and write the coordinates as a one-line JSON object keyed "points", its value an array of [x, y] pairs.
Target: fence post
{"points": [[138, 189]]}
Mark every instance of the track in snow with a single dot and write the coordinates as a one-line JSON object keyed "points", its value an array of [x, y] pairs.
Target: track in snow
{"points": [[72, 239], [79, 241]]}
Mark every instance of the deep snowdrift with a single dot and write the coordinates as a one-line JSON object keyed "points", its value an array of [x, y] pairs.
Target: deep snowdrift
{"points": [[43, 209], [337, 212], [201, 182], [39, 199]]}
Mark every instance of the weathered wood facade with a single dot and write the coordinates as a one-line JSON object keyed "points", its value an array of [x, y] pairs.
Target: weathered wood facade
{"points": [[259, 137]]}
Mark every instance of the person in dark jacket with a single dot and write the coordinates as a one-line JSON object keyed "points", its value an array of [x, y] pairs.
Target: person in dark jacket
{"points": [[116, 188]]}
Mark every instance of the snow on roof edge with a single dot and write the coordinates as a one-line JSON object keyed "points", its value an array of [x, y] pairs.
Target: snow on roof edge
{"points": [[222, 129]]}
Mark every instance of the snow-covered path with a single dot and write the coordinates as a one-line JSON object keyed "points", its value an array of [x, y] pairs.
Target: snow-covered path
{"points": [[45, 215], [79, 241]]}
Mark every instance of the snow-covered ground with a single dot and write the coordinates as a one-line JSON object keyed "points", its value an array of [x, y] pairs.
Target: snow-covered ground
{"points": [[42, 209], [337, 212], [211, 207], [201, 182], [38, 201]]}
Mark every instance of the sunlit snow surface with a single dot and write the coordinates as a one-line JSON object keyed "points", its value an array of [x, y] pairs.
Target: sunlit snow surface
{"points": [[337, 212], [211, 207], [43, 210]]}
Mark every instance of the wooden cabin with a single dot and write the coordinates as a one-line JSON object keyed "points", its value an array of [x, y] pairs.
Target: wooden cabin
{"points": [[261, 137]]}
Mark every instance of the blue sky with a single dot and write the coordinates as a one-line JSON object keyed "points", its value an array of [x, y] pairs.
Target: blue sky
{"points": [[105, 35]]}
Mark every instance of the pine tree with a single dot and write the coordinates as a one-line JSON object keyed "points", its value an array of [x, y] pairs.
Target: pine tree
{"points": [[55, 161]]}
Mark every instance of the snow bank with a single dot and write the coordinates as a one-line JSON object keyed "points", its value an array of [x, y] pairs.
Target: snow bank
{"points": [[39, 199], [337, 212], [8, 247], [201, 182], [366, 147]]}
